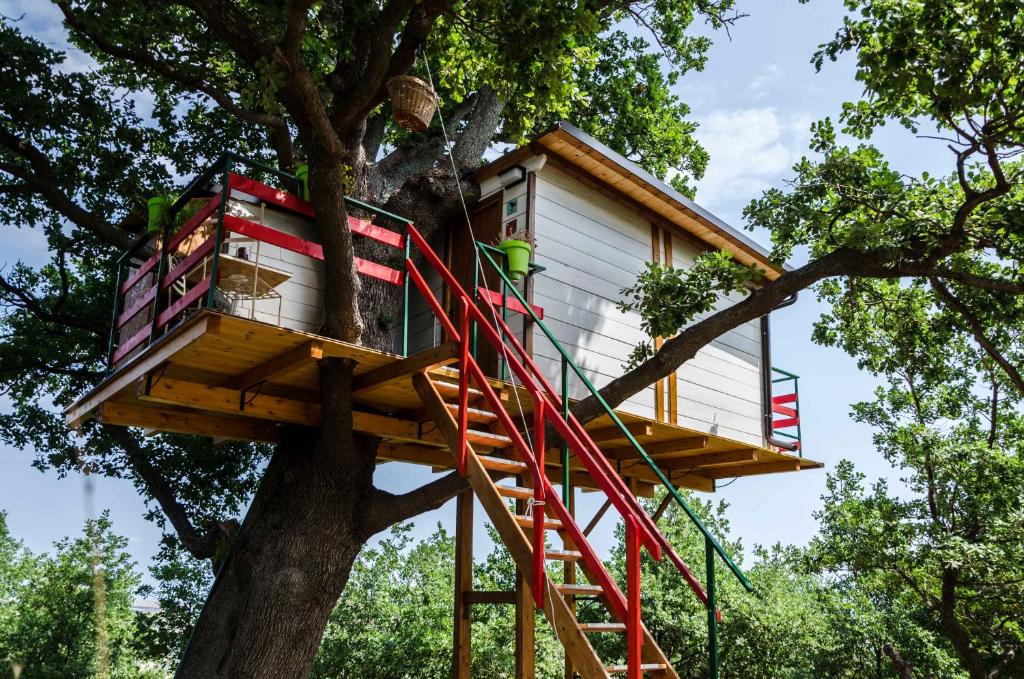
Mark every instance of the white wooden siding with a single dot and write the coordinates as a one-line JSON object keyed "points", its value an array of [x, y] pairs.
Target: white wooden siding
{"points": [[594, 247], [302, 293]]}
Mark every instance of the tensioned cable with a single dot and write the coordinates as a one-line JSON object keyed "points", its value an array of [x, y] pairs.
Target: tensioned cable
{"points": [[476, 258]]}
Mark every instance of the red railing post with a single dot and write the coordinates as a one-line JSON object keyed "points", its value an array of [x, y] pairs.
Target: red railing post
{"points": [[634, 637], [463, 384], [539, 514]]}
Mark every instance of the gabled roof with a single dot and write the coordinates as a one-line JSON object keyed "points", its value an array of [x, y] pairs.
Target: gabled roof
{"points": [[575, 152]]}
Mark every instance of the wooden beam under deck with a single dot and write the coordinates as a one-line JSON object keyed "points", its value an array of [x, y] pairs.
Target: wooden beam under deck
{"points": [[752, 469], [188, 422], [446, 354], [662, 449], [311, 350]]}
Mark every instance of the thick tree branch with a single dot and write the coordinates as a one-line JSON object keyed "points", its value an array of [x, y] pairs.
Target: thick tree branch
{"points": [[200, 545], [43, 180], [978, 331], [26, 300], [385, 509], [474, 139]]}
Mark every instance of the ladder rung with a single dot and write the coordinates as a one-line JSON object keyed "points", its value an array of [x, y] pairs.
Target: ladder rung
{"points": [[562, 555], [527, 522], [602, 627], [644, 667], [486, 438], [500, 464], [579, 590], [451, 389], [472, 414], [518, 492]]}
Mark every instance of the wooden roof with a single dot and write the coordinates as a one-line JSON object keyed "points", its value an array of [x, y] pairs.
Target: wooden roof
{"points": [[234, 378], [571, 150]]}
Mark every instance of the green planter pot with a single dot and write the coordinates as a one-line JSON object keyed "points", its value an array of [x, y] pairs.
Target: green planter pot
{"points": [[158, 206], [517, 253], [302, 174]]}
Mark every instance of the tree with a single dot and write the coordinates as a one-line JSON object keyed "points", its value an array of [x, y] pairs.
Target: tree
{"points": [[307, 79], [948, 550], [50, 616]]}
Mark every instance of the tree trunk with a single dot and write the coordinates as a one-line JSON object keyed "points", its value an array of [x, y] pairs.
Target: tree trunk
{"points": [[292, 557]]}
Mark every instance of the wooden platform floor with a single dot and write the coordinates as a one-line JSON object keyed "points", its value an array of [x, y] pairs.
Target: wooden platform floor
{"points": [[237, 379]]}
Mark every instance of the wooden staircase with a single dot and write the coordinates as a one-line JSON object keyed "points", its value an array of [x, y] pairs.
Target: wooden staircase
{"points": [[487, 472]]}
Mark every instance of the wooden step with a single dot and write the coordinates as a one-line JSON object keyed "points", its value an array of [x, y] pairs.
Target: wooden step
{"points": [[451, 389], [562, 555], [518, 492], [500, 464], [644, 667], [488, 439], [579, 590], [527, 522], [472, 414], [598, 627]]}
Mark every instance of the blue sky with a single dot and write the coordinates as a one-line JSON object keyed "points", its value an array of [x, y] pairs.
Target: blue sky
{"points": [[755, 102]]}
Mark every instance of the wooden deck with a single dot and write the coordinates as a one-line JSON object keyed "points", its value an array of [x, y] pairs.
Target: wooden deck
{"points": [[236, 379]]}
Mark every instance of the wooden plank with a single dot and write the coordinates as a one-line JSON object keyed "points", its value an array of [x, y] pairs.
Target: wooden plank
{"points": [[463, 633], [511, 303], [270, 194], [706, 459], [525, 619], [752, 469], [183, 422], [124, 348], [488, 597], [190, 297], [212, 398], [143, 269], [128, 374], [613, 433], [445, 354], [660, 448], [285, 362]]}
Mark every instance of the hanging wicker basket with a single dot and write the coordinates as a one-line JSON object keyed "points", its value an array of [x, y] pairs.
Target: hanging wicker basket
{"points": [[412, 102]]}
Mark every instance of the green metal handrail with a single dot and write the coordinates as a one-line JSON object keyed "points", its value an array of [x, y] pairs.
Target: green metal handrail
{"points": [[567, 361]]}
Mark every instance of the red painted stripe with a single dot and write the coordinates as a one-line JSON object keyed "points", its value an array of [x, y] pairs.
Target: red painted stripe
{"points": [[384, 273], [143, 302], [786, 398], [513, 304], [269, 194], [781, 424], [273, 236], [186, 264], [784, 410], [191, 225], [365, 227], [137, 275], [134, 341], [176, 308]]}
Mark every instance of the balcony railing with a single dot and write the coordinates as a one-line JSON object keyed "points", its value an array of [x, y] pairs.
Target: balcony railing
{"points": [[786, 404]]}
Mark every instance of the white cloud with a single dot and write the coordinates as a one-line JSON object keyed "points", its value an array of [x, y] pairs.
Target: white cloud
{"points": [[763, 83], [751, 150]]}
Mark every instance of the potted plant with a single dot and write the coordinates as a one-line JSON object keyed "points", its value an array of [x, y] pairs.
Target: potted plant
{"points": [[517, 247], [158, 207]]}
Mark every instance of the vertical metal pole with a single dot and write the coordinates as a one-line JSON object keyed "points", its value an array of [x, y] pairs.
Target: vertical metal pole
{"points": [[709, 559], [504, 318], [634, 638], [799, 435], [405, 298], [475, 293], [117, 312], [225, 193], [463, 384], [565, 446]]}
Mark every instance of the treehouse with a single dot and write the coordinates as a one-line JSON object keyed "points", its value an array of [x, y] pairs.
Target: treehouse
{"points": [[214, 333]]}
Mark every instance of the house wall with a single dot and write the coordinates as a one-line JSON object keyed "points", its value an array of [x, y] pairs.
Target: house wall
{"points": [[301, 301], [593, 247]]}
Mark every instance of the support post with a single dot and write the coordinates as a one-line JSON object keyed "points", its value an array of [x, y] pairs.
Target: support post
{"points": [[405, 298], [525, 651], [462, 656], [634, 635], [570, 569], [709, 558]]}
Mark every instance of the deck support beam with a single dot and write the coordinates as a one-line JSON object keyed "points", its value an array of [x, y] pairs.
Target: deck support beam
{"points": [[283, 363], [462, 652], [526, 642]]}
